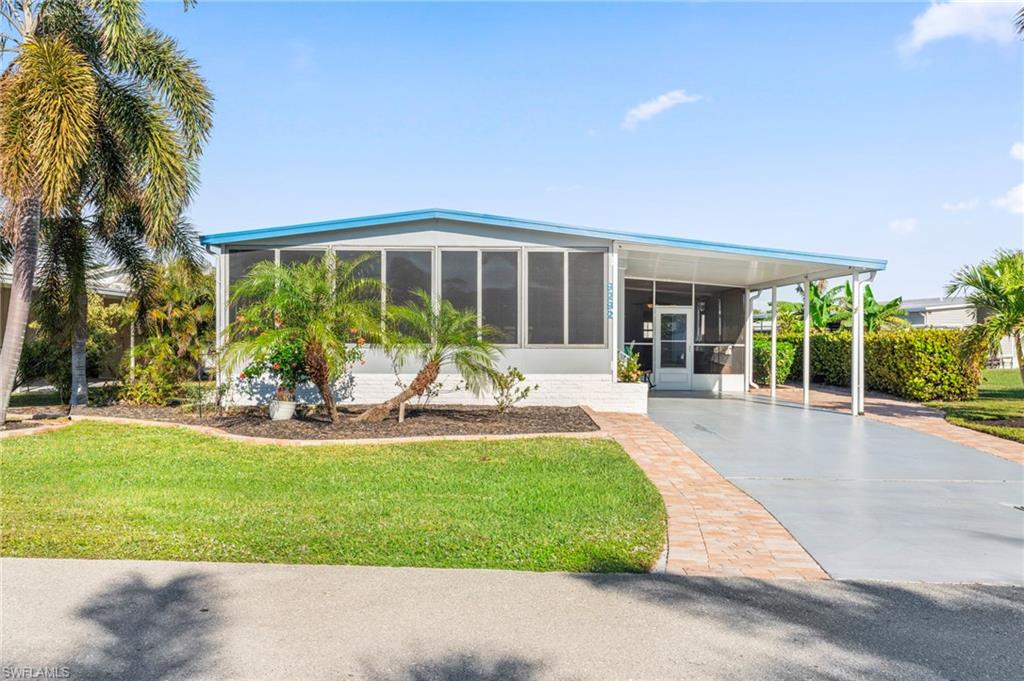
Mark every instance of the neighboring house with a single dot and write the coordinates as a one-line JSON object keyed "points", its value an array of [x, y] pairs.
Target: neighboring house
{"points": [[110, 283], [564, 299], [954, 313]]}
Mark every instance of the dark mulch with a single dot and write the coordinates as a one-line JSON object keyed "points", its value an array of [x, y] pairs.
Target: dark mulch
{"points": [[29, 423], [313, 425]]}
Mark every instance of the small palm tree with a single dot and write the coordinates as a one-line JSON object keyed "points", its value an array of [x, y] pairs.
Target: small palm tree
{"points": [[995, 289], [321, 305], [436, 336]]}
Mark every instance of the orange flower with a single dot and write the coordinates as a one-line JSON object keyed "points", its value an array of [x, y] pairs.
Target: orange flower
{"points": [[277, 365], [353, 330], [360, 341], [241, 375]]}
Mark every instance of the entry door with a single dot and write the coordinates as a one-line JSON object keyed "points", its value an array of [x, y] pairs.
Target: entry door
{"points": [[673, 348]]}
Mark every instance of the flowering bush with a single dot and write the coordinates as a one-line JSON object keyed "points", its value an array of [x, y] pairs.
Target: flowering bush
{"points": [[628, 367], [285, 363]]}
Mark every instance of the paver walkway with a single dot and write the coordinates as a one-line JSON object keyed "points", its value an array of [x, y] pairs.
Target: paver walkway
{"points": [[714, 529], [907, 414]]}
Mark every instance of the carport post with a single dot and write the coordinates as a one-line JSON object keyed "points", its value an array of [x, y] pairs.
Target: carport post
{"points": [[807, 342], [856, 328], [775, 338]]}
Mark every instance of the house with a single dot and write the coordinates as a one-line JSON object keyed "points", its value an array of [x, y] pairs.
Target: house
{"points": [[565, 299], [954, 313]]}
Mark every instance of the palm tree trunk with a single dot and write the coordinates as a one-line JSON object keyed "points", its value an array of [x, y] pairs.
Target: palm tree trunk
{"points": [[23, 272], [319, 373], [427, 375], [1019, 347], [79, 381]]}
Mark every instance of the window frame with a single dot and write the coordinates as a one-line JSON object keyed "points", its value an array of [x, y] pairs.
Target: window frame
{"points": [[565, 297]]}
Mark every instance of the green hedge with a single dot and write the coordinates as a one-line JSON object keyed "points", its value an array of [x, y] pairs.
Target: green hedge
{"points": [[784, 353], [918, 364]]}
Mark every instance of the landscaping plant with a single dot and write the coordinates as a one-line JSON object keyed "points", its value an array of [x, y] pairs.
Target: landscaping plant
{"points": [[995, 289], [435, 336], [319, 310], [508, 388], [784, 355], [627, 367]]}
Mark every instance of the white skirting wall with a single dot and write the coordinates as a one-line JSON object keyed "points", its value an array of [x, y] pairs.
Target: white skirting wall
{"points": [[596, 391]]}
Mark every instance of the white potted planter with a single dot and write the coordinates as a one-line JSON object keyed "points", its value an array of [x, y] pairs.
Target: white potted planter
{"points": [[282, 410], [282, 407]]}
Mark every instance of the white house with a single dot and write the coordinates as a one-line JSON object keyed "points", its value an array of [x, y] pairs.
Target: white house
{"points": [[954, 313], [565, 299]]}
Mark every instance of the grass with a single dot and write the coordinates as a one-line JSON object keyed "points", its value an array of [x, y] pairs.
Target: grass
{"points": [[95, 490], [1001, 396]]}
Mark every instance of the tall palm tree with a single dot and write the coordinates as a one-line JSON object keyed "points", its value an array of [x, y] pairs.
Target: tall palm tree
{"points": [[435, 336], [995, 289], [98, 112], [320, 304]]}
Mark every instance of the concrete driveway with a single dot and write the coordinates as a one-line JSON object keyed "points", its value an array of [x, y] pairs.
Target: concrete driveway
{"points": [[868, 500], [84, 620]]}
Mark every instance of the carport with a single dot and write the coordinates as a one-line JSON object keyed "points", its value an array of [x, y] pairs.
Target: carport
{"points": [[867, 500]]}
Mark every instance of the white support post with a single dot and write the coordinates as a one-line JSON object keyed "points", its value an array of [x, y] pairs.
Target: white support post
{"points": [[748, 335], [854, 344], [773, 376], [807, 343], [860, 350], [612, 310]]}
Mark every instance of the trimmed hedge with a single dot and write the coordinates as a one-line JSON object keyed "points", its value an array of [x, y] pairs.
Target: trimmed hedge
{"points": [[784, 353], [918, 364]]}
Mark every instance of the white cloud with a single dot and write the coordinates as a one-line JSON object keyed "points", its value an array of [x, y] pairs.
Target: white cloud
{"points": [[1012, 201], [960, 206], [903, 225], [979, 21], [1017, 151], [645, 111]]}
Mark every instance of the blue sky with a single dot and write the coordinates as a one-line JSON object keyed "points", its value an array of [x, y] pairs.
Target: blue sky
{"points": [[835, 128]]}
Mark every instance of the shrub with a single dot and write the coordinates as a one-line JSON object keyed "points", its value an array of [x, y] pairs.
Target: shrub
{"points": [[508, 389], [628, 367], [917, 364], [784, 353]]}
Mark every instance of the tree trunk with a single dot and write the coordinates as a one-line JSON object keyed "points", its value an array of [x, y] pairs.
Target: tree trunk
{"points": [[79, 381], [1019, 347], [427, 375], [320, 374], [22, 274]]}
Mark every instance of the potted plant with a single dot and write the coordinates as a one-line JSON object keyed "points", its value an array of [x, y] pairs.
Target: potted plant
{"points": [[284, 363]]}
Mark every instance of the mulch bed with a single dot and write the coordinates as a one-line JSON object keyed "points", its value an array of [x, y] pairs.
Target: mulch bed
{"points": [[1015, 422], [310, 424]]}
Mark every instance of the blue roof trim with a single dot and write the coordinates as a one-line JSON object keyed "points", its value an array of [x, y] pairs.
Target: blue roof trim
{"points": [[222, 238]]}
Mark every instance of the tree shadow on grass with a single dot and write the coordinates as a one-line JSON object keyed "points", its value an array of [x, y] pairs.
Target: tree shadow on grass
{"points": [[153, 632], [462, 667], [937, 631]]}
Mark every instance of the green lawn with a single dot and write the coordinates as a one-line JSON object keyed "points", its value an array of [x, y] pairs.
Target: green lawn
{"points": [[1001, 397], [95, 490]]}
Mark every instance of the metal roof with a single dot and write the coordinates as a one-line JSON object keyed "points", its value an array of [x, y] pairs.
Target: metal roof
{"points": [[222, 238]]}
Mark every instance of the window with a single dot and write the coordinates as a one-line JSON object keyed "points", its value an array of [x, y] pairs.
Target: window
{"points": [[546, 290], [674, 293], [293, 257], [367, 266], [407, 271], [720, 314], [638, 303], [586, 298], [239, 262], [499, 297], [458, 279]]}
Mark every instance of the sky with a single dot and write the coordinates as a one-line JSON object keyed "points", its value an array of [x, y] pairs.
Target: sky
{"points": [[883, 130]]}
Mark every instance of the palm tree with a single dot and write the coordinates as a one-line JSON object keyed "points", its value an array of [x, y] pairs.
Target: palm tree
{"points": [[182, 311], [995, 289], [98, 112], [877, 316], [435, 336], [320, 304]]}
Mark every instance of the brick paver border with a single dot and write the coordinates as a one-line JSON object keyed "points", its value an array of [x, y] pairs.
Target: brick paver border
{"points": [[714, 528]]}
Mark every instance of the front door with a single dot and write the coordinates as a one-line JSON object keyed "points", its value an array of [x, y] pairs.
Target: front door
{"points": [[673, 343]]}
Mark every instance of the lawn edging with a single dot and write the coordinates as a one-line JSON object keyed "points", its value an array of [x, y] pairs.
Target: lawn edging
{"points": [[249, 439]]}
